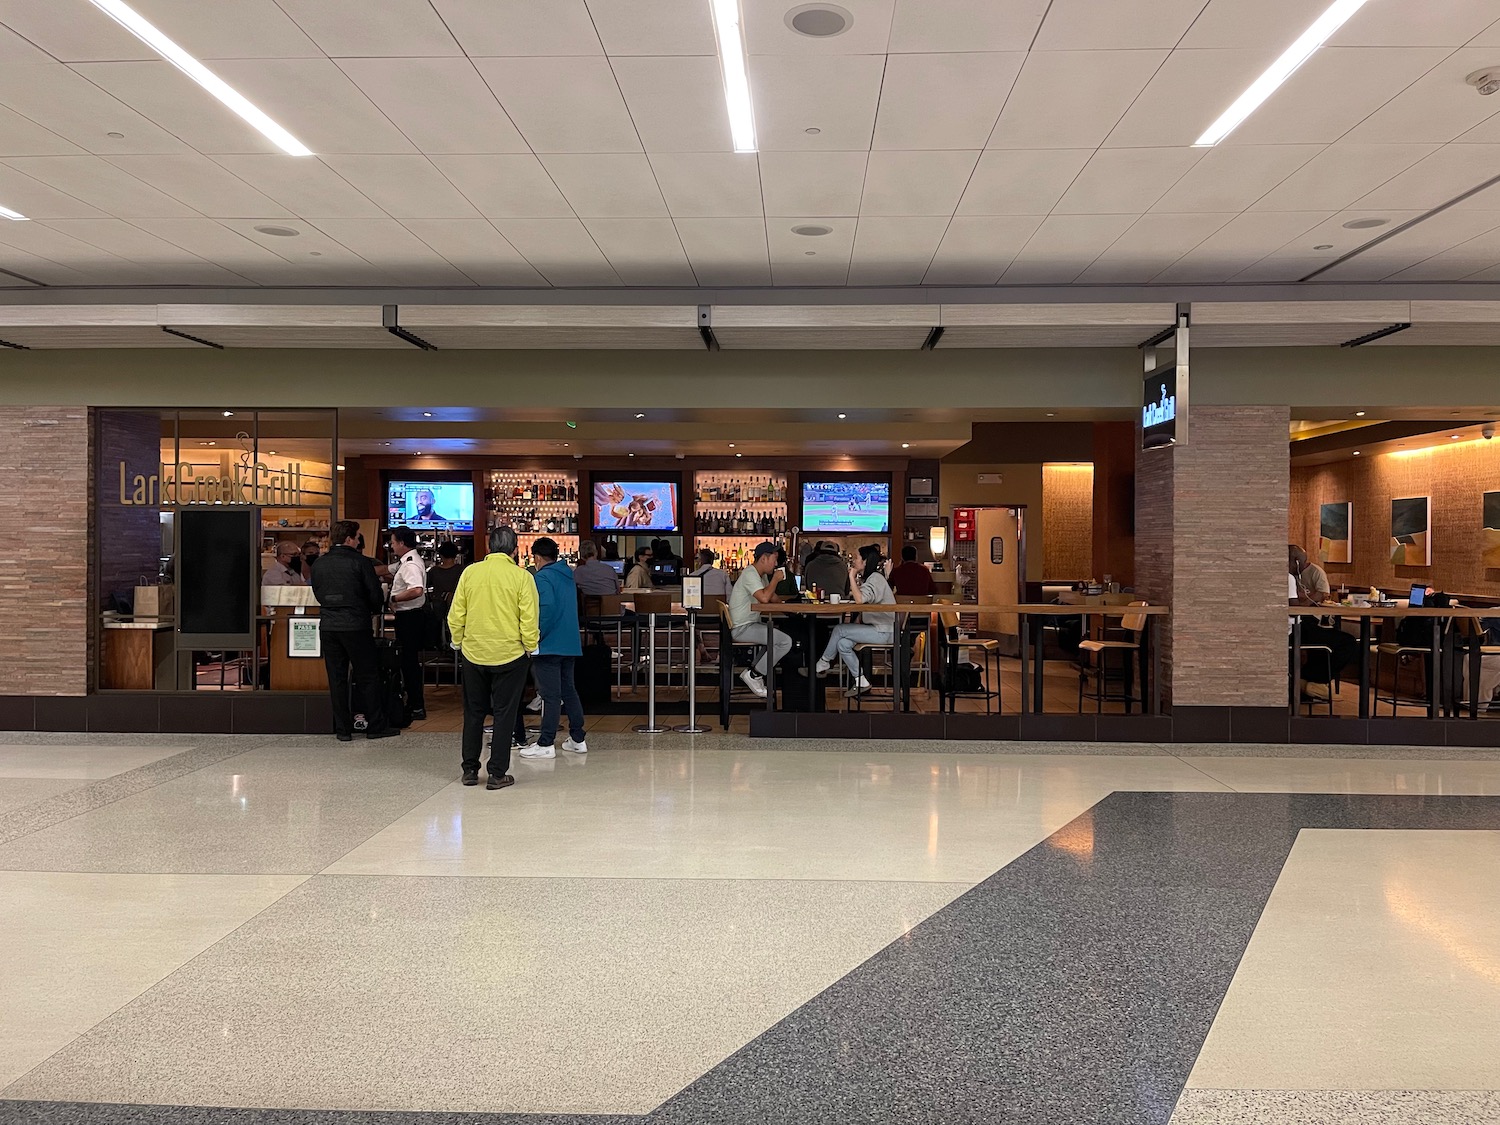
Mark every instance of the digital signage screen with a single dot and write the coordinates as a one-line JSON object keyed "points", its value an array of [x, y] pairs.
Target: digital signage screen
{"points": [[1159, 409], [634, 505], [430, 505], [850, 506]]}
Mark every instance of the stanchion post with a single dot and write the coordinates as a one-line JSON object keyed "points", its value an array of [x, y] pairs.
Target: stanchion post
{"points": [[650, 727], [692, 726]]}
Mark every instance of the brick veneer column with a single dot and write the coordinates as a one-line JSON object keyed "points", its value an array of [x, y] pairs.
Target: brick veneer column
{"points": [[44, 500], [1211, 520]]}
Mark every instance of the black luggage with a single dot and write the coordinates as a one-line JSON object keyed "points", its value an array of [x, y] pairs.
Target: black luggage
{"points": [[592, 676], [392, 688]]}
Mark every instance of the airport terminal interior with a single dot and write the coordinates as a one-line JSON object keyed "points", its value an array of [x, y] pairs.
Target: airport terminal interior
{"points": [[740, 562]]}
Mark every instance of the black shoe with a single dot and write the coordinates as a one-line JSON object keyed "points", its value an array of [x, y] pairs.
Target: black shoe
{"points": [[384, 732], [499, 781], [471, 777], [344, 737], [419, 714]]}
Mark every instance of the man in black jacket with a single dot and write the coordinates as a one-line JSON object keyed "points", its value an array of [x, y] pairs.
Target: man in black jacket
{"points": [[345, 585]]}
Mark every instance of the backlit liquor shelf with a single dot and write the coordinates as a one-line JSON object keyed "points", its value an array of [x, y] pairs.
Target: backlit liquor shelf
{"points": [[534, 504], [735, 511]]}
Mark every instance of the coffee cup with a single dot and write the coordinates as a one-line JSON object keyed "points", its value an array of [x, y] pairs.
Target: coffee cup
{"points": [[834, 599]]}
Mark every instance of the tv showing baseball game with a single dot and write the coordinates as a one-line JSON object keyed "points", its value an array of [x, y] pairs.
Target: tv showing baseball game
{"points": [[846, 506], [430, 505], [633, 505]]}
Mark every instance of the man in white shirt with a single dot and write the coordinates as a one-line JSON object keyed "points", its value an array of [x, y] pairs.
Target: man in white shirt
{"points": [[279, 573], [409, 600]]}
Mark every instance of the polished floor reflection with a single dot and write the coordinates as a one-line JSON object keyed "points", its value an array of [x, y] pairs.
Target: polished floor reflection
{"points": [[722, 930]]}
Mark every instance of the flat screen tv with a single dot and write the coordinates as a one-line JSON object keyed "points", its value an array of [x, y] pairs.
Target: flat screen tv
{"points": [[635, 505], [424, 505], [846, 506]]}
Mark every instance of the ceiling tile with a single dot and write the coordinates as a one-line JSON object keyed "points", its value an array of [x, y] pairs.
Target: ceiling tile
{"points": [[37, 200], [1183, 97], [200, 183], [404, 187], [837, 95], [316, 102], [304, 186], [43, 271], [1272, 25], [643, 251], [1115, 25], [1072, 99], [1265, 26], [20, 136], [100, 184], [976, 251], [146, 250], [612, 185], [799, 260], [943, 101], [1476, 255], [18, 51], [1489, 37], [100, 267], [1451, 170], [662, 27], [312, 250], [726, 252], [520, 27], [361, 29], [442, 105], [505, 187], [709, 184], [1438, 106], [563, 104], [1244, 239], [161, 92], [895, 251], [1022, 181], [767, 32], [1339, 175], [676, 102], [391, 248], [1063, 247], [561, 250], [916, 183], [1152, 243], [1230, 178], [1435, 235], [1331, 232], [75, 32], [935, 26], [812, 183], [76, 110], [215, 242], [478, 249], [1126, 181]]}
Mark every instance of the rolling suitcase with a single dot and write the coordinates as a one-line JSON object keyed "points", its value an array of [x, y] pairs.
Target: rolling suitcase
{"points": [[392, 693]]}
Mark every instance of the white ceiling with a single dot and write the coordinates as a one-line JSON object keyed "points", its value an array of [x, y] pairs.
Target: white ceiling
{"points": [[584, 143]]}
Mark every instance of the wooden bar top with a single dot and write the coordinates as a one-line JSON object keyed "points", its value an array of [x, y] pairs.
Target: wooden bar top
{"points": [[1336, 610], [1031, 609]]}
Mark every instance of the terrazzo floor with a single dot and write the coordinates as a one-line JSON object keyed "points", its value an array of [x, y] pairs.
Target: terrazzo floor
{"points": [[700, 930]]}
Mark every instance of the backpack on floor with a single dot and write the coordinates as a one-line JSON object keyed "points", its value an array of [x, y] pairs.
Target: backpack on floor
{"points": [[392, 693]]}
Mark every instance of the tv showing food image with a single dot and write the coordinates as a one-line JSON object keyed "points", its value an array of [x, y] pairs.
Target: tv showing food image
{"points": [[430, 505], [846, 506], [635, 506]]}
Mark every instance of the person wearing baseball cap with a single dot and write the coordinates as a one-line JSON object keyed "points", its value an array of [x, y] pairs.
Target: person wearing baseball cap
{"points": [[756, 586]]}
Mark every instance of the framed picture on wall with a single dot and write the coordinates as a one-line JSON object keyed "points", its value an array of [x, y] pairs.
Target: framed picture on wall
{"points": [[1491, 538], [1335, 542], [1411, 531]]}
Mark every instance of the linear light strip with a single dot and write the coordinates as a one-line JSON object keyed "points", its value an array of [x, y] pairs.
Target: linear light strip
{"points": [[133, 22], [7, 213], [728, 28], [1278, 72]]}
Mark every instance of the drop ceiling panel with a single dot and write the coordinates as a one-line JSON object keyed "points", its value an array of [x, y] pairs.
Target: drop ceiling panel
{"points": [[812, 183], [76, 110], [217, 243], [100, 184], [505, 187], [169, 98], [404, 187], [442, 105], [1438, 106], [612, 185], [304, 186], [1464, 260], [146, 250], [1151, 244], [1273, 24], [562, 104], [1340, 174], [1431, 236], [922, 26], [726, 252], [976, 251], [1087, 25], [943, 101], [1021, 181], [1063, 247], [799, 260], [89, 261], [895, 251], [39, 270], [198, 182], [1450, 171], [1183, 96], [1072, 99], [561, 250], [677, 102], [837, 95], [394, 250], [317, 103], [37, 200], [642, 251], [916, 183], [1245, 238], [361, 29], [478, 249], [18, 51], [73, 32], [520, 27], [1230, 178], [663, 27], [20, 136], [709, 184], [1126, 181], [311, 249], [767, 33]]}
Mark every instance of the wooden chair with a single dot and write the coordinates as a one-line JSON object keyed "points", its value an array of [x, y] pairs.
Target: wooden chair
{"points": [[727, 647], [1100, 648], [952, 648]]}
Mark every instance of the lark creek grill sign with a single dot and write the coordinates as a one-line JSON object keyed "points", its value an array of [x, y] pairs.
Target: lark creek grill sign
{"points": [[234, 483], [1159, 414]]}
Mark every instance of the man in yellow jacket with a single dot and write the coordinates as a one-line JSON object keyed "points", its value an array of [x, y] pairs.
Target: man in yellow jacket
{"points": [[494, 625]]}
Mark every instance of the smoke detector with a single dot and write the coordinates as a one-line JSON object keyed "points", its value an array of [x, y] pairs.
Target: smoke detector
{"points": [[1486, 81]]}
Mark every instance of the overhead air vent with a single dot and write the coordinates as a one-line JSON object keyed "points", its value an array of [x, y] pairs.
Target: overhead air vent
{"points": [[819, 21]]}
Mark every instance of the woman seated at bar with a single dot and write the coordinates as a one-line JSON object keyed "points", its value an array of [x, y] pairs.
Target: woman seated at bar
{"points": [[867, 587]]}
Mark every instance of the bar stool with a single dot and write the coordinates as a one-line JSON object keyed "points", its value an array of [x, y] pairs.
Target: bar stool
{"points": [[648, 605], [856, 702], [951, 647], [1401, 655], [727, 649], [1312, 701], [1101, 648]]}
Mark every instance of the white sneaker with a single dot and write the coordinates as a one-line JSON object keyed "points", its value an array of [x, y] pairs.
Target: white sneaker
{"points": [[861, 686], [535, 704], [539, 752], [823, 666], [575, 747], [754, 682]]}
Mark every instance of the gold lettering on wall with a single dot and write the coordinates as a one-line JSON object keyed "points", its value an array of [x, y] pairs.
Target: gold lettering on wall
{"points": [[233, 484]]}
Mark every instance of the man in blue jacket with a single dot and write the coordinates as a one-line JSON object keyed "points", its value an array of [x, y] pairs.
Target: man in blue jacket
{"points": [[557, 619]]}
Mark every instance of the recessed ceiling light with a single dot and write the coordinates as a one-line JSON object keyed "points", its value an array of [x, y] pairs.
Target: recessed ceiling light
{"points": [[1359, 413], [1051, 414], [739, 454], [731, 38], [812, 230], [810, 253], [906, 445], [1324, 246], [640, 415], [211, 443], [419, 453], [731, 445], [1279, 71], [632, 454], [270, 453], [133, 22], [7, 213], [813, 131], [1452, 437], [229, 413], [315, 253], [1356, 453], [426, 414], [115, 136], [341, 468], [1364, 224], [843, 415], [387, 443], [278, 232], [819, 21]]}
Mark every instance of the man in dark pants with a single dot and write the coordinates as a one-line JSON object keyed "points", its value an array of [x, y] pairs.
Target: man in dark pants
{"points": [[409, 601], [494, 624], [557, 607], [345, 585]]}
